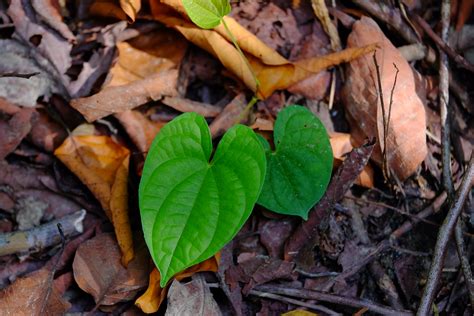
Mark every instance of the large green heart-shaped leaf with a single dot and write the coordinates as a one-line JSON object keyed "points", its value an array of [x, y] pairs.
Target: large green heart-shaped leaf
{"points": [[299, 170], [190, 207], [206, 14]]}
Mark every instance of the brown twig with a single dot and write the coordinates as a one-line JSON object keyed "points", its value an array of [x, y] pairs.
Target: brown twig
{"points": [[41, 237], [386, 244], [377, 271], [442, 241], [461, 61], [331, 298], [317, 308], [390, 16]]}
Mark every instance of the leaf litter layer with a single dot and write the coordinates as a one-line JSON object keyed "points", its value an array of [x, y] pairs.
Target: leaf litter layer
{"points": [[128, 68]]}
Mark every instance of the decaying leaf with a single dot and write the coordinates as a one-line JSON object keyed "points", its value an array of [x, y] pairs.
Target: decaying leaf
{"points": [[121, 98], [53, 47], [48, 10], [272, 70], [16, 58], [151, 300], [141, 130], [185, 105], [192, 298], [299, 312], [27, 296], [102, 165], [15, 129], [228, 117], [98, 271], [406, 140]]}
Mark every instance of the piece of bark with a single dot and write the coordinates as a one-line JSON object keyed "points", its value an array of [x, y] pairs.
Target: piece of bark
{"points": [[44, 236]]}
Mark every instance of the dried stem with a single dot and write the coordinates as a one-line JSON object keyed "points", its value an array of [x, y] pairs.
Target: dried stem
{"points": [[331, 298], [443, 237]]}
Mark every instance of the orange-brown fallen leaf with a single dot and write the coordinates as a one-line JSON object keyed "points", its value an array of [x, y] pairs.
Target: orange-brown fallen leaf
{"points": [[151, 300], [102, 165], [141, 130], [27, 296], [406, 139], [145, 70], [272, 70], [98, 271], [131, 8]]}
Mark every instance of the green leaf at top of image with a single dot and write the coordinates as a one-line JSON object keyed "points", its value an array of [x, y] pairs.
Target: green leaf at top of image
{"points": [[206, 14], [190, 206], [299, 170]]}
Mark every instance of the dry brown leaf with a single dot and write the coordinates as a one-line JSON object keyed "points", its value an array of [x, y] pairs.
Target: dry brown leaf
{"points": [[107, 8], [406, 140], [271, 77], [15, 128], [26, 296], [102, 165], [49, 11], [185, 105], [146, 55], [192, 298], [151, 300], [228, 117], [141, 130], [98, 271], [126, 97], [131, 8], [145, 71]]}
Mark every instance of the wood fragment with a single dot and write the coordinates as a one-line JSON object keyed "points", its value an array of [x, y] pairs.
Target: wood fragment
{"points": [[44, 236]]}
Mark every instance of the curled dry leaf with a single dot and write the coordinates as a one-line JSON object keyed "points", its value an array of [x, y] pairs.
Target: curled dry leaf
{"points": [[406, 140], [272, 70], [27, 296], [151, 300], [97, 271], [192, 298], [102, 165]]}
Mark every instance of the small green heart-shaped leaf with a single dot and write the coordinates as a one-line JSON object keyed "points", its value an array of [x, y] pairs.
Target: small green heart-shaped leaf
{"points": [[299, 170], [190, 207], [206, 14]]}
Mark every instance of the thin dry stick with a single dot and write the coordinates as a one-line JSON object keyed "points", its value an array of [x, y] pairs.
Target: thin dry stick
{"points": [[443, 237], [317, 308], [446, 146], [461, 61], [386, 244], [331, 298]]}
